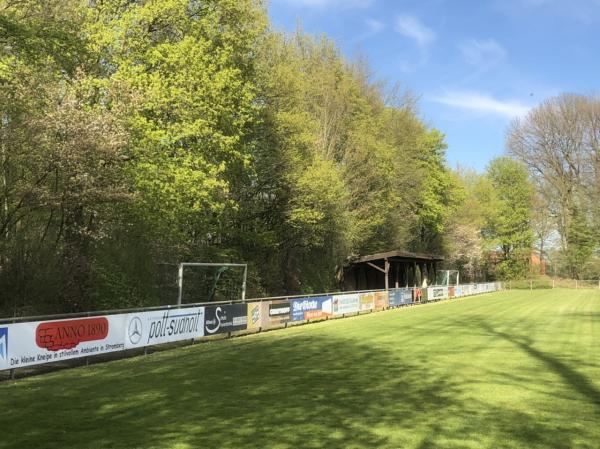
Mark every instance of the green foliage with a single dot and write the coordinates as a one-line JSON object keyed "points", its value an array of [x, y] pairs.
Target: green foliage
{"points": [[441, 195], [136, 135], [580, 243], [508, 225]]}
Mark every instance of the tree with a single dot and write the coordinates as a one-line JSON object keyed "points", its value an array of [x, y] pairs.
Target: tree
{"points": [[134, 135], [508, 226], [559, 143], [464, 242], [580, 243], [542, 224]]}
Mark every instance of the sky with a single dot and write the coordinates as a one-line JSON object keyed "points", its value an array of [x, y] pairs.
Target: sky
{"points": [[475, 65]]}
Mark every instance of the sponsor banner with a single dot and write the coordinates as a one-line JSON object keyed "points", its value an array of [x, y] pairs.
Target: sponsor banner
{"points": [[37, 342], [474, 289], [349, 303], [382, 300], [451, 292], [275, 313], [400, 297], [311, 308], [367, 301], [435, 293], [458, 291], [254, 315], [163, 326], [225, 318], [418, 295]]}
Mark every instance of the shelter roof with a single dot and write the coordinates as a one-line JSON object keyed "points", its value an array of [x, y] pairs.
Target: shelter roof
{"points": [[404, 256]]}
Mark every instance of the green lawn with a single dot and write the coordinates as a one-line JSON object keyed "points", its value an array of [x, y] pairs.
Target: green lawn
{"points": [[505, 370]]}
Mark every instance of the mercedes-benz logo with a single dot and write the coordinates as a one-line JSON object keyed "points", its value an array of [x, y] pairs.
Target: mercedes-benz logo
{"points": [[135, 330]]}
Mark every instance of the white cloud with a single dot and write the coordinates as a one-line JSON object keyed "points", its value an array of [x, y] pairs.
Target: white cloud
{"points": [[374, 26], [411, 27], [322, 4], [482, 104], [482, 53]]}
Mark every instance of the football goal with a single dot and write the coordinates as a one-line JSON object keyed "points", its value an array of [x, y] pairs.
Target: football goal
{"points": [[206, 282]]}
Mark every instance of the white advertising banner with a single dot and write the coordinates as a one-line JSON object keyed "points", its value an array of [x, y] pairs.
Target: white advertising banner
{"points": [[37, 342], [434, 293], [349, 303], [163, 326]]}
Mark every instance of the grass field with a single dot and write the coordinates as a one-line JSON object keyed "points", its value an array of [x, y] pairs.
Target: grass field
{"points": [[505, 370]]}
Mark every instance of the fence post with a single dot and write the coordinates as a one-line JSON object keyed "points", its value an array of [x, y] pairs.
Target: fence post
{"points": [[552, 282], [12, 371], [87, 359]]}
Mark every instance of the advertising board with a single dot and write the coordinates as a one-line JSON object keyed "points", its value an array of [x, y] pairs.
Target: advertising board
{"points": [[437, 293], [401, 297], [225, 318], [367, 301], [381, 300], [311, 308], [349, 303], [37, 342], [275, 313], [254, 315], [163, 326]]}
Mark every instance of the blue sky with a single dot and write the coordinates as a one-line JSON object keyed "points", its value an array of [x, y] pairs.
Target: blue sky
{"points": [[476, 65]]}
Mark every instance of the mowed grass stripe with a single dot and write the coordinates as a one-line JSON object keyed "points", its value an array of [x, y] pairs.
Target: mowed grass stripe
{"points": [[516, 369]]}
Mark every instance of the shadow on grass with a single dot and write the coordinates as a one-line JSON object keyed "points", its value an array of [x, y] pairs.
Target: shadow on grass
{"points": [[300, 390], [253, 393], [575, 380]]}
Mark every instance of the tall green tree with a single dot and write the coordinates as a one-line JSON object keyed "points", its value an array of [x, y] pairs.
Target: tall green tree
{"points": [[508, 226]]}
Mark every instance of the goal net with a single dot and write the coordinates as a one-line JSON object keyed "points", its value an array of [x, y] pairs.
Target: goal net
{"points": [[207, 282], [447, 277]]}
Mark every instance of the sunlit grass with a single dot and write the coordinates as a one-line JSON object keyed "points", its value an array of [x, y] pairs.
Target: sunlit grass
{"points": [[507, 370]]}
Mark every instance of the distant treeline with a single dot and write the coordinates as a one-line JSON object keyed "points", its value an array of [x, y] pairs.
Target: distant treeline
{"points": [[136, 135]]}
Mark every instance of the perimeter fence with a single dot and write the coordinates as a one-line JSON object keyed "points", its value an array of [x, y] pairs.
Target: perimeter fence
{"points": [[548, 283], [36, 344]]}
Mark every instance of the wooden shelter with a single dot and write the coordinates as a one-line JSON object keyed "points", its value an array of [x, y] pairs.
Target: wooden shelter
{"points": [[392, 269]]}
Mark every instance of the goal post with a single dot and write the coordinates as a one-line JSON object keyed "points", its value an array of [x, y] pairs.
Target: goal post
{"points": [[447, 277], [221, 267]]}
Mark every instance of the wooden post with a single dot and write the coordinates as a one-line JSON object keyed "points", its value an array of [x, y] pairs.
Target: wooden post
{"points": [[387, 275], [415, 274], [385, 271]]}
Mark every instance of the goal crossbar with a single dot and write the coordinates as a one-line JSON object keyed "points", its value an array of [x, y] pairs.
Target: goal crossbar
{"points": [[207, 264]]}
